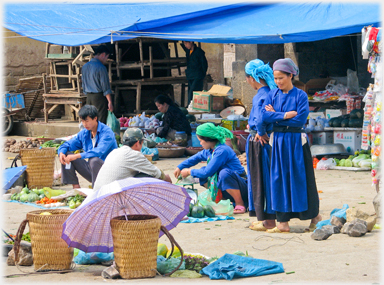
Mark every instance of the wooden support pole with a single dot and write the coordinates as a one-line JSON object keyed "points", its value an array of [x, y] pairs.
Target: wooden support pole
{"points": [[177, 56], [150, 62], [117, 59], [141, 57], [116, 98], [182, 100], [138, 98]]}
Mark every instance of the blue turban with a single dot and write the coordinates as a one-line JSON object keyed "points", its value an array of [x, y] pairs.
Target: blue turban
{"points": [[257, 69], [286, 65]]}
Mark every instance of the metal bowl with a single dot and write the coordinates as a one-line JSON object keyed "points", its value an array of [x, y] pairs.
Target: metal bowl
{"points": [[171, 152], [328, 149]]}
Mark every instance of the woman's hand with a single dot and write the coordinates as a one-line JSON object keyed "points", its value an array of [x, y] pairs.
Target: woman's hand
{"points": [[185, 172], [269, 108], [264, 139], [290, 114], [176, 172]]}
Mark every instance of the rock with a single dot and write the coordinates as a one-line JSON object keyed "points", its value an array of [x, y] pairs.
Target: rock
{"points": [[338, 222], [371, 221], [354, 213], [332, 229], [320, 234], [377, 204], [25, 255], [358, 230], [346, 228]]}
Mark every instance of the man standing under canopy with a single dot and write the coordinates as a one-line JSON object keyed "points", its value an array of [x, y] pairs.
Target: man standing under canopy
{"points": [[96, 85], [197, 67]]}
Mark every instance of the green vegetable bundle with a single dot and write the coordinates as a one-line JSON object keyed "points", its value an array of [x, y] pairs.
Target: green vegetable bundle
{"points": [[75, 201], [195, 262], [52, 144]]}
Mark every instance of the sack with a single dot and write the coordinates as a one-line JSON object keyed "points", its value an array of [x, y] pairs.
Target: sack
{"points": [[224, 207], [113, 123]]}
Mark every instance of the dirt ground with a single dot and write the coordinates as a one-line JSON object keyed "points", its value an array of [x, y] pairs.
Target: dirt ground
{"points": [[339, 259]]}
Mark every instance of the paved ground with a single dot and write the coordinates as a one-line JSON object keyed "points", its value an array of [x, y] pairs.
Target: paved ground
{"points": [[339, 259]]}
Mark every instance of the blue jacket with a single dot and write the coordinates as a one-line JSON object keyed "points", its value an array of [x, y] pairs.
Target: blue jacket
{"points": [[105, 143], [223, 157]]}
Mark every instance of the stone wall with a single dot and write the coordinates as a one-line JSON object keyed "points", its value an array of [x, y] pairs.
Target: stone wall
{"points": [[23, 57]]}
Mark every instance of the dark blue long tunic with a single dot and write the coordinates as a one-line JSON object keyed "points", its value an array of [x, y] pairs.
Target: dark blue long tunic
{"points": [[288, 176], [256, 123]]}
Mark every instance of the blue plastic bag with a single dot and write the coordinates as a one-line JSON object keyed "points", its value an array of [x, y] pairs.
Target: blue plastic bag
{"points": [[113, 123], [340, 213], [154, 151], [165, 266], [92, 257]]}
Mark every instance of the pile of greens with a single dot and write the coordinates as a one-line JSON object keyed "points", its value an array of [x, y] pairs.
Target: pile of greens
{"points": [[75, 201], [52, 144]]}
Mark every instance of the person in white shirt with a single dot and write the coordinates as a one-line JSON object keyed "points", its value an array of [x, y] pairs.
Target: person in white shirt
{"points": [[128, 161]]}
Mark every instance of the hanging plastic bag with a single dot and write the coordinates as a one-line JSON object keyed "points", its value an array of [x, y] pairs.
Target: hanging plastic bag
{"points": [[352, 81], [113, 123], [224, 207]]}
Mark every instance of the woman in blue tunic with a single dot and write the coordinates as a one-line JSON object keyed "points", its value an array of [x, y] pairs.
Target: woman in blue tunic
{"points": [[260, 77], [293, 185], [223, 168]]}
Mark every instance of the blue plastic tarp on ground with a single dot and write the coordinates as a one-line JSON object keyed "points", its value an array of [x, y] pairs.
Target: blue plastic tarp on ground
{"points": [[10, 175], [242, 23]]}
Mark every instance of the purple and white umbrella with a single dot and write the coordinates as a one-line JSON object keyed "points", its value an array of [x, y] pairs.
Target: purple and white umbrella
{"points": [[88, 227]]}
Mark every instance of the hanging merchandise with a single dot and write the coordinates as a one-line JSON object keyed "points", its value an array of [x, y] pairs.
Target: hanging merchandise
{"points": [[371, 134]]}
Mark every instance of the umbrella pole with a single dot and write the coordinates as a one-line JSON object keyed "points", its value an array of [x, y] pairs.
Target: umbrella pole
{"points": [[122, 205]]}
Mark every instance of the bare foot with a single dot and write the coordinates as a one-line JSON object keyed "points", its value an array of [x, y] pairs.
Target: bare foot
{"points": [[269, 224], [283, 227], [317, 219]]}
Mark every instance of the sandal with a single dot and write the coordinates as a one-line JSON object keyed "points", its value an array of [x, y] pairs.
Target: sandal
{"points": [[258, 227], [239, 209], [276, 230], [312, 227]]}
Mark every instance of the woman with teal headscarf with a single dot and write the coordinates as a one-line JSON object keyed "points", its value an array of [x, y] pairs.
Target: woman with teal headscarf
{"points": [[260, 77], [223, 173]]}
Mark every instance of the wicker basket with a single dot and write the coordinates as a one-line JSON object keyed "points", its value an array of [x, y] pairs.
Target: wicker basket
{"points": [[135, 245], [49, 250], [40, 166], [171, 151]]}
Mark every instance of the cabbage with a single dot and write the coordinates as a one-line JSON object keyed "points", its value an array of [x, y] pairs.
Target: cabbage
{"points": [[365, 163], [359, 158], [32, 197], [342, 162], [348, 163]]}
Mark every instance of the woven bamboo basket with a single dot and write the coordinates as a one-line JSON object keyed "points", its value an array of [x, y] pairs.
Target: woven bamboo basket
{"points": [[49, 250], [135, 245], [40, 166]]}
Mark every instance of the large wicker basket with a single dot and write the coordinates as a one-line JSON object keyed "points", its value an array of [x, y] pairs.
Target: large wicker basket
{"points": [[49, 250], [135, 245], [40, 166]]}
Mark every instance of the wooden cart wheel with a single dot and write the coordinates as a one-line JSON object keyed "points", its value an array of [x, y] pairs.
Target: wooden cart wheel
{"points": [[7, 122]]}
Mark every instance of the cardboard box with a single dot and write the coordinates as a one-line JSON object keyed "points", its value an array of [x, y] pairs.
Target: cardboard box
{"points": [[314, 115], [234, 125], [212, 100], [312, 85], [321, 138], [332, 113], [350, 139]]}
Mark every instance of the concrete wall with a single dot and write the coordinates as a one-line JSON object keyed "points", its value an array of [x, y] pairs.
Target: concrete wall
{"points": [[23, 57]]}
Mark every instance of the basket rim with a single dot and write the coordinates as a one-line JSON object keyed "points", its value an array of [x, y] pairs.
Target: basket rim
{"points": [[38, 212], [147, 218]]}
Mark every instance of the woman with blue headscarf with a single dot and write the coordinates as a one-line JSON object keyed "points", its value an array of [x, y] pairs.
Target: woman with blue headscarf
{"points": [[260, 77], [293, 185]]}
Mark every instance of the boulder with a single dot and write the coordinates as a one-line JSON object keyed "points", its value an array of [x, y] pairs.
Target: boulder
{"points": [[25, 255], [346, 228], [358, 230], [354, 213], [377, 204], [338, 221], [320, 234], [332, 229]]}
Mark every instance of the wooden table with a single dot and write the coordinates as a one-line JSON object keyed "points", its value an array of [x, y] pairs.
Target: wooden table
{"points": [[74, 100]]}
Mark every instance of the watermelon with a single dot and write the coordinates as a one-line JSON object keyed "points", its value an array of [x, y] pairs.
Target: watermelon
{"points": [[159, 116], [357, 114], [184, 110], [197, 212], [355, 123], [209, 211], [330, 122], [344, 123], [191, 118], [337, 122]]}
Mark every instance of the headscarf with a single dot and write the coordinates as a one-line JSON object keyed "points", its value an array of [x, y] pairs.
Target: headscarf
{"points": [[257, 69], [286, 65], [209, 130]]}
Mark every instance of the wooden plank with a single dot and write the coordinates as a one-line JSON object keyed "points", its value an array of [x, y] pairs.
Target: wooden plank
{"points": [[63, 95], [51, 109], [64, 76], [150, 63], [141, 57], [61, 101], [138, 98]]}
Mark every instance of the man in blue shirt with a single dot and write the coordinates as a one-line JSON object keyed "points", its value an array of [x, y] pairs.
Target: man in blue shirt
{"points": [[96, 140], [96, 85]]}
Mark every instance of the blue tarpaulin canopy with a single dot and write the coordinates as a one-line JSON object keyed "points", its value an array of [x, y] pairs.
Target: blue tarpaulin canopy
{"points": [[241, 23], [10, 175]]}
